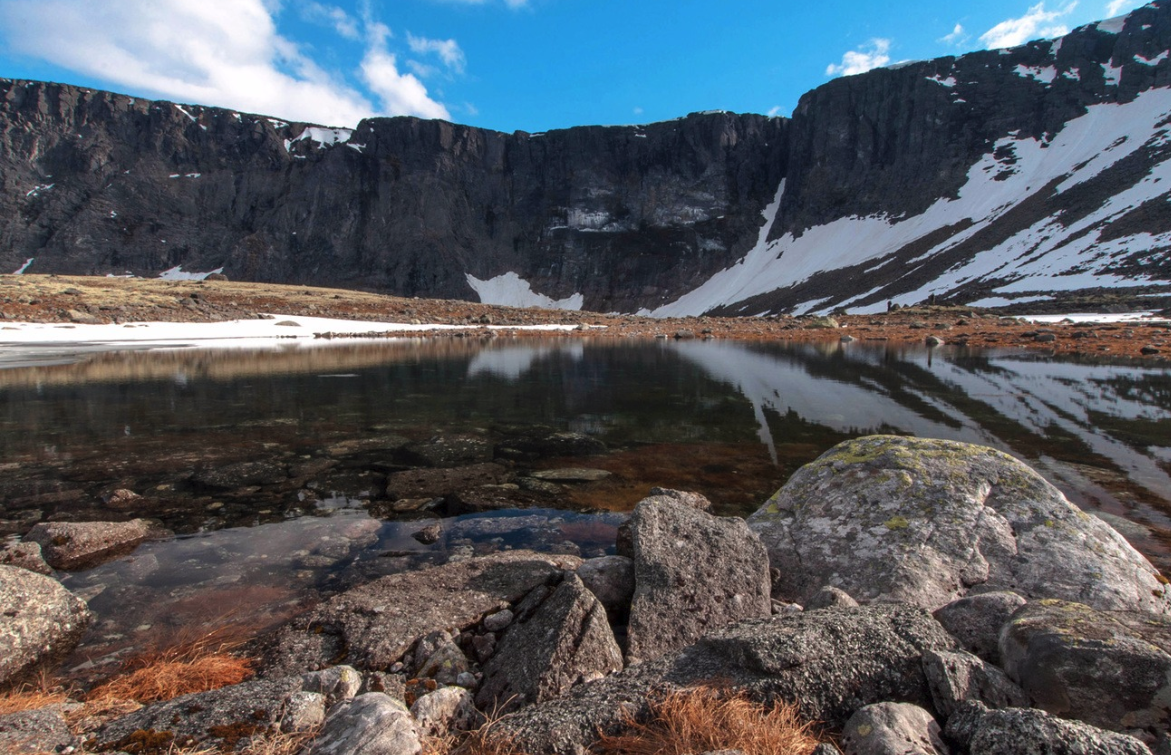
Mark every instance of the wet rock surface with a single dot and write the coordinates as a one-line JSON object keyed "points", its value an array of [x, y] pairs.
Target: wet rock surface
{"points": [[924, 521], [79, 545]]}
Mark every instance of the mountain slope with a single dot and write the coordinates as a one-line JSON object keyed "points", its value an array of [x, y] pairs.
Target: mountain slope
{"points": [[993, 177]]}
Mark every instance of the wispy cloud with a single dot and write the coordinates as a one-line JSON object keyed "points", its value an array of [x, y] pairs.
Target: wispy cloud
{"points": [[1118, 7], [331, 15], [225, 53], [1036, 23], [957, 37], [873, 54], [776, 111], [509, 3], [447, 49]]}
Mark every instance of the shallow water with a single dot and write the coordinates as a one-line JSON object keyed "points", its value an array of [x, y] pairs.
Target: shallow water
{"points": [[730, 420]]}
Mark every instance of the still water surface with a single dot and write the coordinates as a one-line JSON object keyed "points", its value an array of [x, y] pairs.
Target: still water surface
{"points": [[730, 420]]}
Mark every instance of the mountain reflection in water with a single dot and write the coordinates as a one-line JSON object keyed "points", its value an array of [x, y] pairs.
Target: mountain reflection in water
{"points": [[731, 420]]}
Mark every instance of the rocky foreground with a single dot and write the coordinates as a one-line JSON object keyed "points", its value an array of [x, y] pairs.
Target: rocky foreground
{"points": [[911, 596], [93, 300]]}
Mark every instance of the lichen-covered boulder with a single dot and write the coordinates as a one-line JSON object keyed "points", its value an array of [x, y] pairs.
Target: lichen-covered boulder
{"points": [[1013, 731], [1111, 669], [40, 621], [925, 521]]}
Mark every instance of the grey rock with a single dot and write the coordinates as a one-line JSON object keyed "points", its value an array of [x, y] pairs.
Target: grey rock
{"points": [[304, 711], [610, 579], [337, 683], [446, 709], [893, 729], [693, 573], [830, 662], [956, 677], [467, 680], [924, 521], [429, 534], [553, 444], [825, 748], [686, 497], [564, 640], [1027, 731], [36, 732], [242, 474], [370, 724], [374, 625], [80, 545], [26, 555], [40, 622], [829, 597], [445, 665], [450, 452], [1109, 669], [258, 705], [976, 621], [498, 621]]}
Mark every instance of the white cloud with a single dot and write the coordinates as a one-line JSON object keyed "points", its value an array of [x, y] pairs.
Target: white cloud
{"points": [[342, 22], [638, 111], [510, 3], [1037, 23], [873, 54], [447, 50], [776, 111], [958, 36], [224, 53], [1118, 7]]}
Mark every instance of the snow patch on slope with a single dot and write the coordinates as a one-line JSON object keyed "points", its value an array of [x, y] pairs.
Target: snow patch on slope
{"points": [[1045, 256], [27, 264], [510, 290], [1043, 75], [177, 274]]}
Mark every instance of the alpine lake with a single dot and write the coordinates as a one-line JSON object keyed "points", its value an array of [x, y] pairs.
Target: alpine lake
{"points": [[292, 472]]}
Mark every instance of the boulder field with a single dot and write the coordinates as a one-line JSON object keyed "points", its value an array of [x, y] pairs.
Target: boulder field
{"points": [[909, 595]]}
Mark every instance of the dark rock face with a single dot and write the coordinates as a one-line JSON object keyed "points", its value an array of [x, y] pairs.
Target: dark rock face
{"points": [[627, 217]]}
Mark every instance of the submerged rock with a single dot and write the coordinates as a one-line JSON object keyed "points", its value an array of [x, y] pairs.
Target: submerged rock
{"points": [[924, 521], [80, 545], [40, 621]]}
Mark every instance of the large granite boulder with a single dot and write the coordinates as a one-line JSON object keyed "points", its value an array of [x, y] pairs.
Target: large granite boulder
{"points": [[693, 573], [372, 626], [830, 662], [40, 621], [1111, 669], [80, 545], [926, 521], [893, 729], [370, 724], [565, 640], [956, 677], [1027, 731]]}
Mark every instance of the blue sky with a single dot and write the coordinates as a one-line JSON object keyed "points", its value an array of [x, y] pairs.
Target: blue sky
{"points": [[510, 65]]}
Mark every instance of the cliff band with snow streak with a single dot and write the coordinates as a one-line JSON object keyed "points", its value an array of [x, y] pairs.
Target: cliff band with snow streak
{"points": [[997, 176]]}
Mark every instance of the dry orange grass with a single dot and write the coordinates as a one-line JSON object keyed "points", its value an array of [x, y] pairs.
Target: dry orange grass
{"points": [[203, 664], [706, 719], [16, 701]]}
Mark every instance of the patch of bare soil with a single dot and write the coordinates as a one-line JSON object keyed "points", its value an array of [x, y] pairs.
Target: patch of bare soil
{"points": [[73, 299]]}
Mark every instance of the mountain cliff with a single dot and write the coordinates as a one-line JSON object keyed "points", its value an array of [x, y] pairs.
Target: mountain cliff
{"points": [[993, 177]]}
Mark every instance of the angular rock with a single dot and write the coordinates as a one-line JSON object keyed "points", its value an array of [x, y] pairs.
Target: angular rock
{"points": [[565, 640], [40, 621], [337, 683], [693, 573], [976, 621], [924, 521], [35, 732], [956, 677], [610, 579], [1109, 669], [304, 711], [1013, 731], [829, 597], [430, 483], [80, 545], [445, 665], [372, 626], [830, 662], [893, 729], [446, 709], [370, 724], [26, 555]]}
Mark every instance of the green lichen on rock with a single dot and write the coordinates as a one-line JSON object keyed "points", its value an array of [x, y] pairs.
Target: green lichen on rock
{"points": [[896, 523]]}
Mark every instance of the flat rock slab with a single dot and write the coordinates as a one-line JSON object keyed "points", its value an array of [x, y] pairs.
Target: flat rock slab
{"points": [[923, 521], [80, 545], [571, 474], [372, 626], [1110, 669], [830, 662], [693, 573], [428, 483], [40, 621]]}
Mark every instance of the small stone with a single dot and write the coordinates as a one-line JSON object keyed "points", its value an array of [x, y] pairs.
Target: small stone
{"points": [[830, 597], [429, 534], [499, 620], [466, 679], [933, 341]]}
